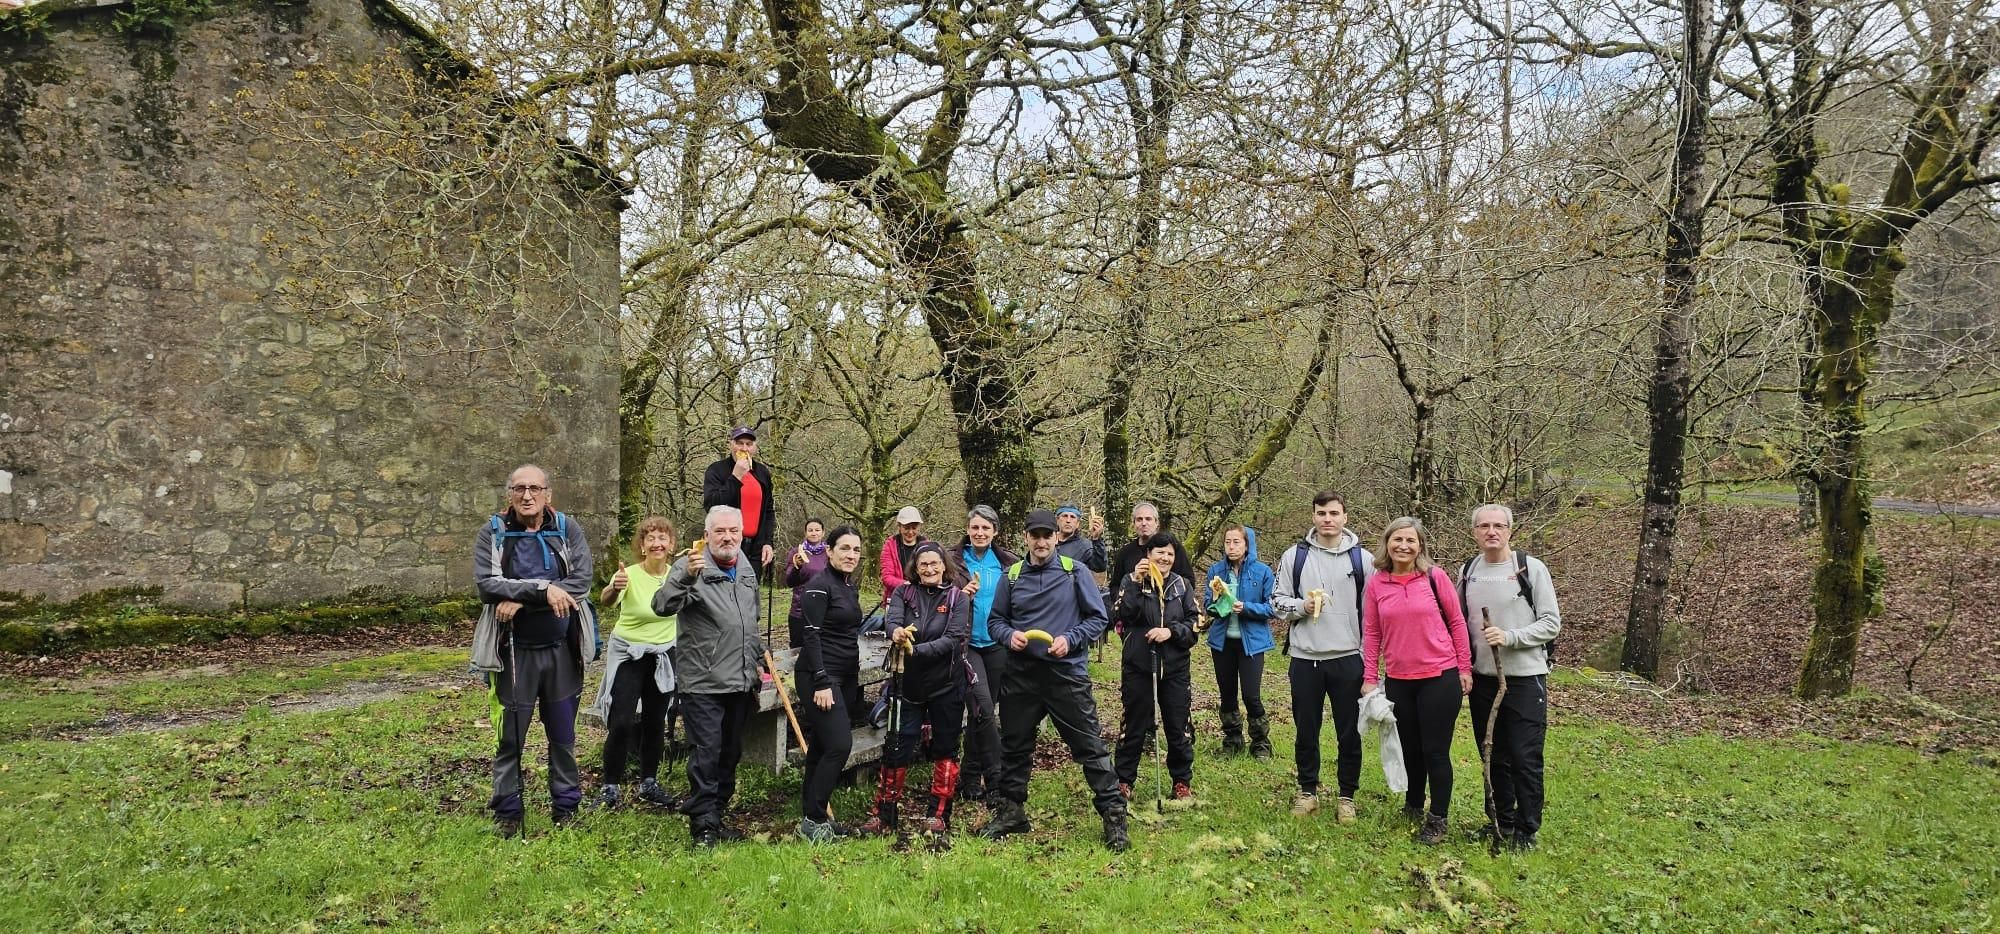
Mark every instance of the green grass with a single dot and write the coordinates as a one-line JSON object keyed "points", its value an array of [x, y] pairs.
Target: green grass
{"points": [[34, 707], [371, 817]]}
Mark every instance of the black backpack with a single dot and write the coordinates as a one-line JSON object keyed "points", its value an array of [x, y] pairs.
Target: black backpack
{"points": [[1355, 569], [1520, 577]]}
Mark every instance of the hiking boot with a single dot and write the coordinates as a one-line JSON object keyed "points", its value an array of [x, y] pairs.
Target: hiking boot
{"points": [[506, 828], [730, 834], [1344, 812], [1260, 737], [1413, 813], [1009, 818], [1522, 842], [651, 793], [1490, 832], [562, 818], [705, 838], [876, 826], [939, 825], [1433, 831], [1304, 803], [609, 798], [1116, 838], [1125, 790], [1182, 792], [826, 831], [1232, 733]]}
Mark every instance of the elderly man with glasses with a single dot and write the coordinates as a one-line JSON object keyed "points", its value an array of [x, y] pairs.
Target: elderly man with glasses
{"points": [[532, 566]]}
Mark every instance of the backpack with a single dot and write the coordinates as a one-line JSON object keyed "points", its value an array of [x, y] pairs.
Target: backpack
{"points": [[591, 644], [1354, 570], [1520, 578], [1069, 567]]}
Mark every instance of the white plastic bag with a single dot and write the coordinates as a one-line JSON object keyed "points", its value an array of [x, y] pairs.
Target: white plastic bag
{"points": [[1378, 712]]}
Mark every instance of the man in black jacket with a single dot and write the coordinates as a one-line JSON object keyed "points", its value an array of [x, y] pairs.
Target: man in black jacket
{"points": [[743, 483], [1145, 525]]}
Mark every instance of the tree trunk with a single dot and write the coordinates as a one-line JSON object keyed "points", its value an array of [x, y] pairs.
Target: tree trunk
{"points": [[1667, 393], [810, 115], [1849, 317], [1270, 442]]}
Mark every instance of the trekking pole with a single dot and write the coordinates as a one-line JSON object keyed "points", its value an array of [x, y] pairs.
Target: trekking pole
{"points": [[1159, 738], [898, 656], [784, 698], [1486, 748]]}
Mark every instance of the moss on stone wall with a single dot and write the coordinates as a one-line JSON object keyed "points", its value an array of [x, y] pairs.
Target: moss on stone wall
{"points": [[134, 616]]}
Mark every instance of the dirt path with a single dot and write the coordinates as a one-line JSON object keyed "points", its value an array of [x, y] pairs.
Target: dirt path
{"points": [[1890, 504], [337, 697]]}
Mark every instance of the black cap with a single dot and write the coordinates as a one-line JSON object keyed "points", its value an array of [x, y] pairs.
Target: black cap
{"points": [[1041, 519], [742, 431]]}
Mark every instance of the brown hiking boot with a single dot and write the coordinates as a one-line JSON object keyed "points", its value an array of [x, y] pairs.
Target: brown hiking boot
{"points": [[1433, 831], [1344, 812], [1304, 803]]}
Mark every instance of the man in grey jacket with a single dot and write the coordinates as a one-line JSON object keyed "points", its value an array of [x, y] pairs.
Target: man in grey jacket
{"points": [[1513, 592], [532, 567], [1319, 591], [714, 594]]}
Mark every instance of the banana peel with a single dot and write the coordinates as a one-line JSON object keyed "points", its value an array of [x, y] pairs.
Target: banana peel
{"points": [[696, 548]]}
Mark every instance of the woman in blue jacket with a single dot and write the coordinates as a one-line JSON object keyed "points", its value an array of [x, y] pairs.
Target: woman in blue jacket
{"points": [[1239, 599]]}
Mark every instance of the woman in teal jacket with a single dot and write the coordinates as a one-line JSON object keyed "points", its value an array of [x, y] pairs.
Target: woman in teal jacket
{"points": [[1239, 600]]}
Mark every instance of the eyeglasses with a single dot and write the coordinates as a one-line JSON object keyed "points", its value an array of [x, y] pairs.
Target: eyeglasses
{"points": [[524, 489]]}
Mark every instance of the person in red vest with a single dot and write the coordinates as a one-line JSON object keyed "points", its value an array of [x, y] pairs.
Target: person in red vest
{"points": [[742, 482]]}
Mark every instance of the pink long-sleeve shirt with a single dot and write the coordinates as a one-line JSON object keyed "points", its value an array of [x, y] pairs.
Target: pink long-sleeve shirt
{"points": [[1422, 635]]}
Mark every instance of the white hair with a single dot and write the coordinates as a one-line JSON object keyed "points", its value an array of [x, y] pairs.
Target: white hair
{"points": [[720, 512], [1493, 507], [1146, 506]]}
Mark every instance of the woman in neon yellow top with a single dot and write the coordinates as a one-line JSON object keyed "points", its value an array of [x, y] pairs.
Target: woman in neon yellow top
{"points": [[639, 672]]}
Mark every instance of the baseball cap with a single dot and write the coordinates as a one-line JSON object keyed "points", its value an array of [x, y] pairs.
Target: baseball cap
{"points": [[909, 515], [742, 431], [1041, 519]]}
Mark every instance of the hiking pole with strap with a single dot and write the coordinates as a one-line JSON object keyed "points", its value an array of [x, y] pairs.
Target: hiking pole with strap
{"points": [[1492, 722], [898, 657]]}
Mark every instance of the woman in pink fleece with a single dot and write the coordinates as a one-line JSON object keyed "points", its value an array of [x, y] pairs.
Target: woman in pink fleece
{"points": [[1411, 622]]}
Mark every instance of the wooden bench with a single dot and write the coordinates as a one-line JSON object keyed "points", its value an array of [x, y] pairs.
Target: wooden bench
{"points": [[768, 741]]}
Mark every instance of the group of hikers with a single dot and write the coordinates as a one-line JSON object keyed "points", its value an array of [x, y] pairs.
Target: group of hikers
{"points": [[986, 644]]}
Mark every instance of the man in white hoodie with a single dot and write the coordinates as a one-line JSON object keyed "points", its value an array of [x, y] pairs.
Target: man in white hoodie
{"points": [[1319, 591], [1512, 591]]}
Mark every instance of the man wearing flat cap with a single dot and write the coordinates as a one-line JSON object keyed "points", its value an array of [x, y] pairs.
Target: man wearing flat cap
{"points": [[1046, 610], [740, 481]]}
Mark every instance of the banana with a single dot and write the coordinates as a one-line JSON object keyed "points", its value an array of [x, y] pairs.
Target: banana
{"points": [[1036, 635]]}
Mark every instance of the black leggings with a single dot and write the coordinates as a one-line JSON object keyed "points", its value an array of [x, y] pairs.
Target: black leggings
{"points": [[1233, 669], [1426, 715], [830, 738], [638, 714]]}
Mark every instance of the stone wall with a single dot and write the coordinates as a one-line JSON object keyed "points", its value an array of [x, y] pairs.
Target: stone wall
{"points": [[176, 410]]}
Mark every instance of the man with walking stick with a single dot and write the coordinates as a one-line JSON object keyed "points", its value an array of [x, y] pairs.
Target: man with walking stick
{"points": [[1512, 594], [713, 592]]}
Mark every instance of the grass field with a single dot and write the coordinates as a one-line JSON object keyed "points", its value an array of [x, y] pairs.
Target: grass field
{"points": [[369, 817]]}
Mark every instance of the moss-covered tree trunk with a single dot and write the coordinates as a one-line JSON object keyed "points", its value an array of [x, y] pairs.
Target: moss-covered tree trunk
{"points": [[1850, 317], [811, 116], [1849, 258]]}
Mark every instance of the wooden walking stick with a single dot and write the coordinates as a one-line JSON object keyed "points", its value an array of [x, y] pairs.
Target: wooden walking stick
{"points": [[784, 698], [1492, 721]]}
